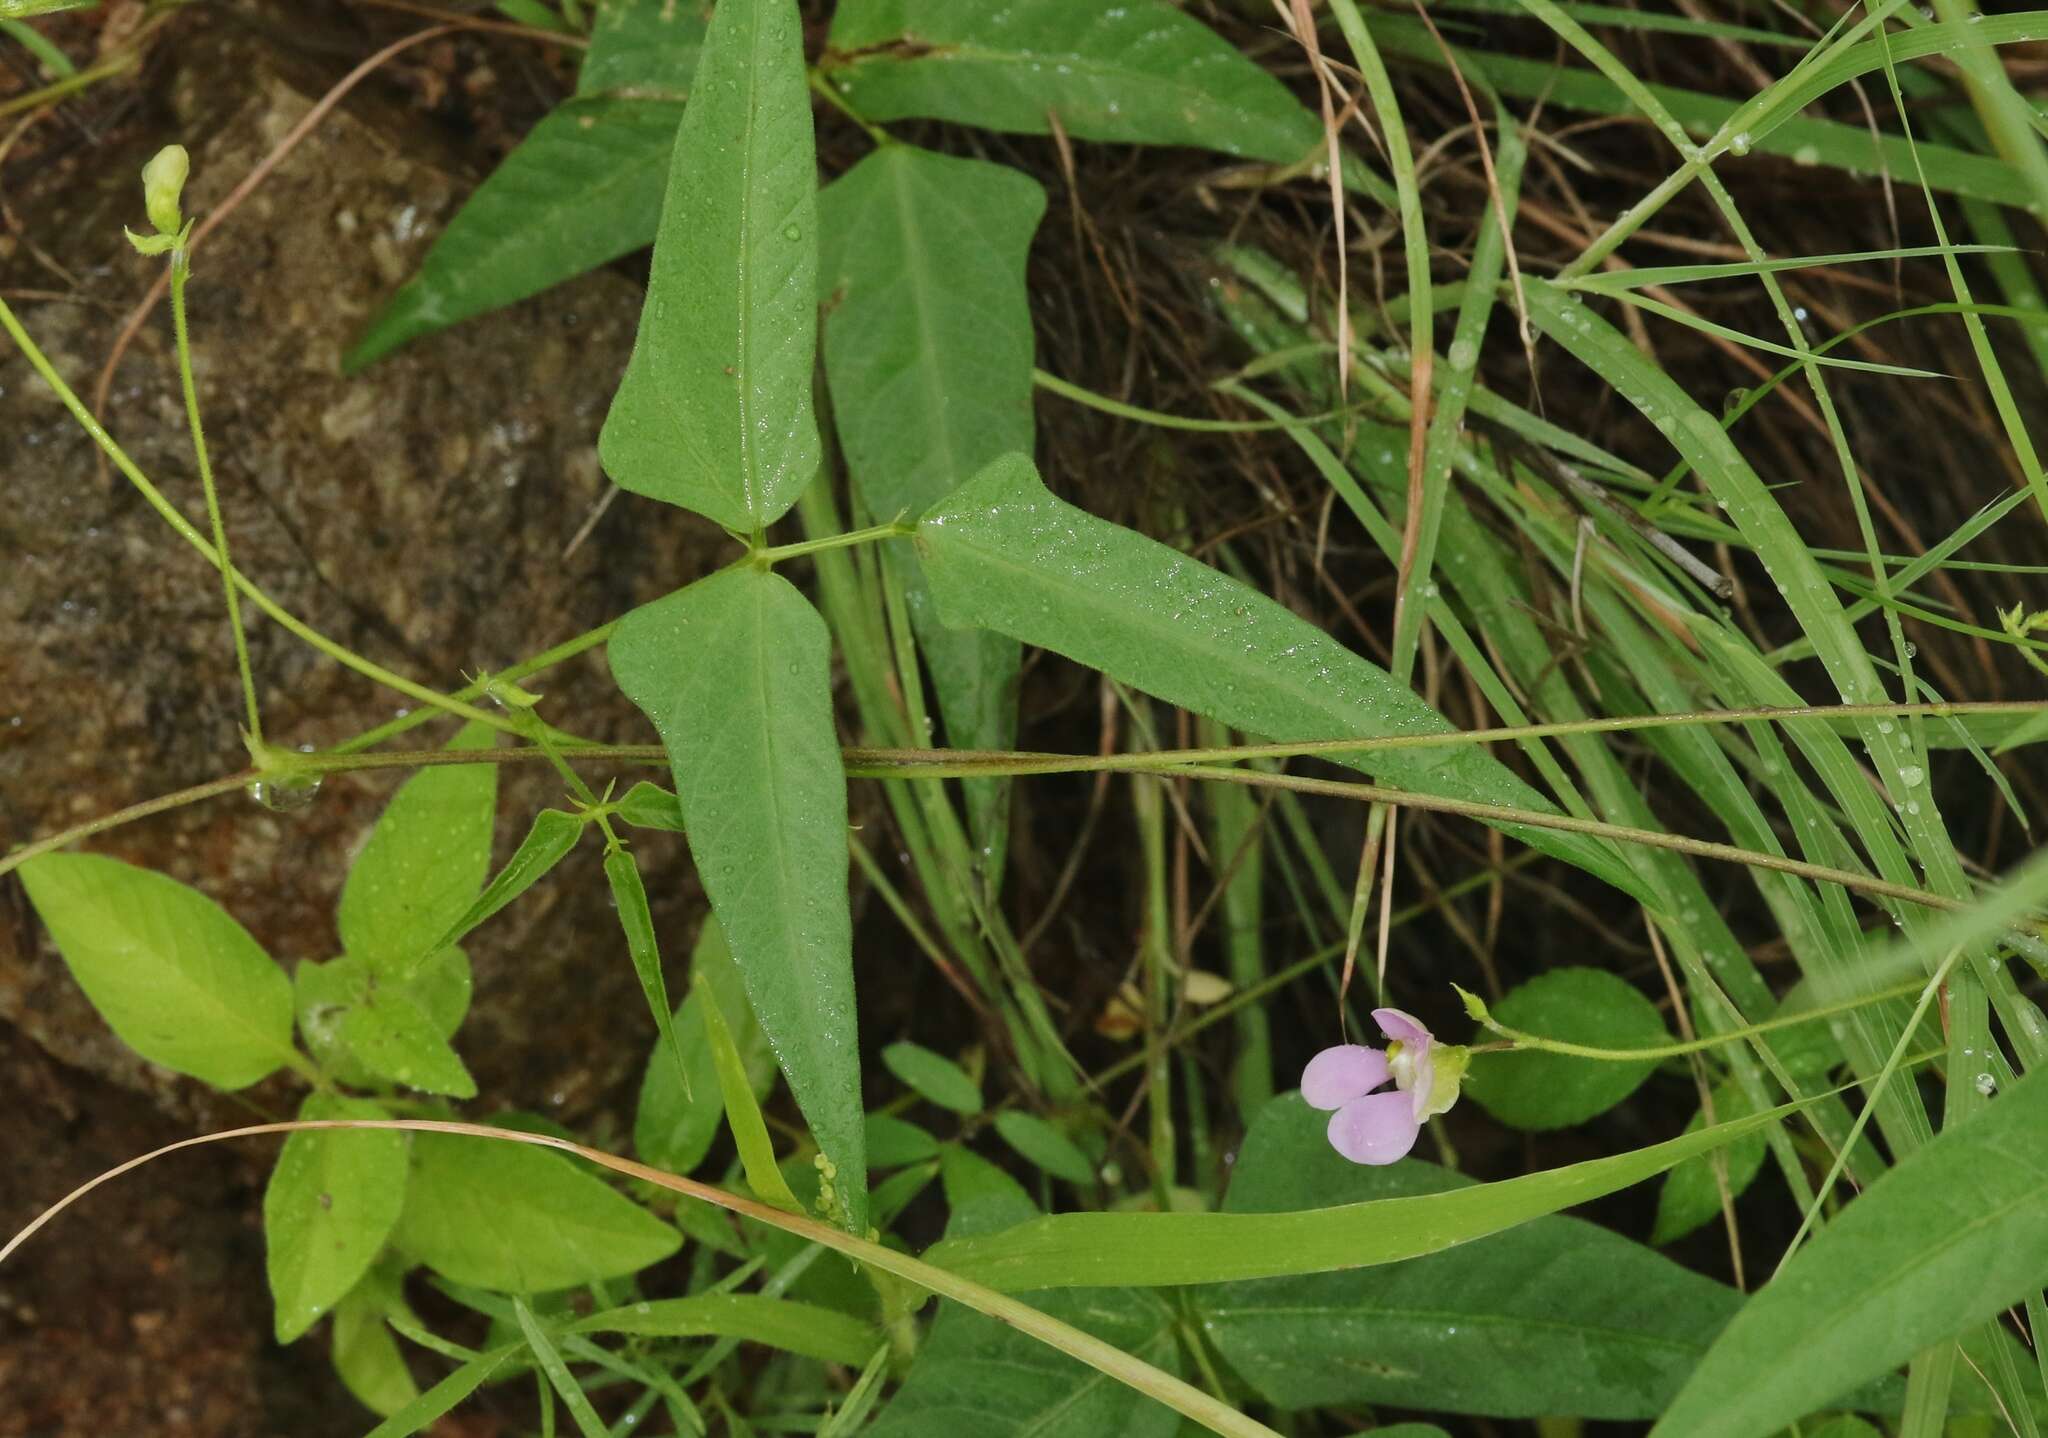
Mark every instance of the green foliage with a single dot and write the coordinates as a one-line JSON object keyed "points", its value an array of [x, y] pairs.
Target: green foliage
{"points": [[735, 673], [583, 188], [517, 1219], [674, 1126], [714, 413], [170, 971], [550, 839], [1002, 552], [364, 1031], [1140, 72], [366, 1356], [424, 863], [927, 346], [1553, 1317], [1071, 1249], [1045, 1147], [332, 1200], [1952, 1236], [1534, 1089], [1691, 1194], [974, 1369], [935, 1076]]}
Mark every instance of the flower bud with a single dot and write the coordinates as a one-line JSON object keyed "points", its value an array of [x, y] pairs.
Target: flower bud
{"points": [[163, 181]]}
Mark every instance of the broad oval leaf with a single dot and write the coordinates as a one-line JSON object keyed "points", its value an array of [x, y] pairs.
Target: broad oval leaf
{"points": [[1532, 1089], [331, 1202], [393, 1035], [714, 413], [583, 188], [1137, 72], [424, 862], [1003, 553], [973, 1371], [1691, 1193], [1951, 1237], [170, 971], [928, 352], [936, 1077], [735, 672], [362, 1029], [1554, 1317], [518, 1219], [366, 1356], [893, 1143], [1045, 1146]]}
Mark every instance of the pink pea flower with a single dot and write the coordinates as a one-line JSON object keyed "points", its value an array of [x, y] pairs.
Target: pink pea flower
{"points": [[1379, 1127]]}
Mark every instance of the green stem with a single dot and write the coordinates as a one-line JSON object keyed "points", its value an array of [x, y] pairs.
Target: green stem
{"points": [[870, 535], [1665, 1051], [546, 659], [181, 270], [340, 653], [831, 96]]}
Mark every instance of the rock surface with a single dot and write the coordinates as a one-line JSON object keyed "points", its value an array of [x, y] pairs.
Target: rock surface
{"points": [[417, 514]]}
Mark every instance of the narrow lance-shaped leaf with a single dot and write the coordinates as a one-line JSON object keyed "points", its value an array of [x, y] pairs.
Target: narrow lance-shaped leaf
{"points": [[742, 1108], [1138, 72], [629, 895], [735, 673], [583, 188], [1004, 553], [976, 1373], [1072, 1249], [1554, 1316], [552, 836], [170, 971], [928, 350], [674, 1125], [714, 413], [1954, 1235], [331, 1202]]}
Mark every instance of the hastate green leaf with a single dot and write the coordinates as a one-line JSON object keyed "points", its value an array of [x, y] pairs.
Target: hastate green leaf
{"points": [[1531, 1089], [976, 1373], [674, 1129], [331, 1202], [583, 188], [518, 1219], [714, 413], [1136, 72], [735, 672], [1003, 553], [644, 49], [424, 862], [928, 327], [1691, 1194], [1951, 1237], [1556, 1317], [928, 351], [170, 971]]}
